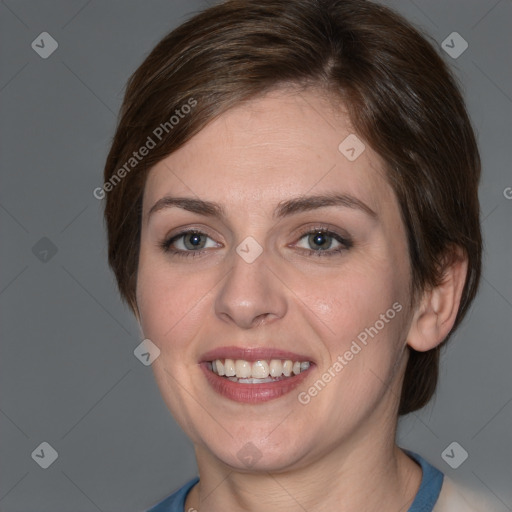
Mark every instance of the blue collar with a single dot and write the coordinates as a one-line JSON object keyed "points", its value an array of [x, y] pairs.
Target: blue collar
{"points": [[430, 487], [426, 497]]}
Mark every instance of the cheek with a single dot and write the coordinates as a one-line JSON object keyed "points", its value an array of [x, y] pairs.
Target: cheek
{"points": [[171, 304], [361, 319], [353, 298], [361, 316]]}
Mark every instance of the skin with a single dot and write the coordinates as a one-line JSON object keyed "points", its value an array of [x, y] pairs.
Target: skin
{"points": [[337, 452]]}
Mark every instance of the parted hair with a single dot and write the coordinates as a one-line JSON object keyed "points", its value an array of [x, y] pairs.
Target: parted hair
{"points": [[400, 95]]}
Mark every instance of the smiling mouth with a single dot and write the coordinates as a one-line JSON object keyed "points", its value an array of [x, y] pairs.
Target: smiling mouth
{"points": [[257, 372]]}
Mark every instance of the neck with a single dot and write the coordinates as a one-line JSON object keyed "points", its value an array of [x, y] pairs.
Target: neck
{"points": [[367, 472]]}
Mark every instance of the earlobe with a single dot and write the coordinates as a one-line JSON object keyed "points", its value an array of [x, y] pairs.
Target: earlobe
{"points": [[437, 310]]}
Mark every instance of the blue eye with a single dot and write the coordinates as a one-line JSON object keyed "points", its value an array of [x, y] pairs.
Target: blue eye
{"points": [[188, 243], [316, 242], [323, 242]]}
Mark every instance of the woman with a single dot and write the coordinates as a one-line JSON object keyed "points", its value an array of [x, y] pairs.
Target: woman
{"points": [[292, 212]]}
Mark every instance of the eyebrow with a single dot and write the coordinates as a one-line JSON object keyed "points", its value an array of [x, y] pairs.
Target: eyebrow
{"points": [[308, 203], [283, 209]]}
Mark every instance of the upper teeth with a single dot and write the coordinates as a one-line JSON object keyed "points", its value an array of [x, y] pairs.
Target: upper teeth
{"points": [[258, 369]]}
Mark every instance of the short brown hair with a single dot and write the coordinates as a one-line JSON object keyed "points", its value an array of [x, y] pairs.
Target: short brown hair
{"points": [[401, 99]]}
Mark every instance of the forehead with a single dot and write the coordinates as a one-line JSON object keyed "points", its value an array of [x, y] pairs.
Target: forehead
{"points": [[284, 144]]}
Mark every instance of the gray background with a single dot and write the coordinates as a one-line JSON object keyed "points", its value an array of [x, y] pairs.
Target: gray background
{"points": [[68, 375]]}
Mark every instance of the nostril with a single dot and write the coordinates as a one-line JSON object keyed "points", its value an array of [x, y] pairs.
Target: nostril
{"points": [[260, 319]]}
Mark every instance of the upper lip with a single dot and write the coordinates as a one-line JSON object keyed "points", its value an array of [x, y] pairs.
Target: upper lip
{"points": [[252, 354]]}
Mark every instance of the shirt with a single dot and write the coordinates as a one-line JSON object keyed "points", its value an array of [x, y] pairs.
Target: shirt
{"points": [[429, 494]]}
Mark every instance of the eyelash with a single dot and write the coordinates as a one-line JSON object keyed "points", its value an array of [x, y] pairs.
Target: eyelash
{"points": [[346, 243], [167, 243]]}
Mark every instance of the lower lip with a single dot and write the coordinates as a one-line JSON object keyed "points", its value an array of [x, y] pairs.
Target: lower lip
{"points": [[252, 393]]}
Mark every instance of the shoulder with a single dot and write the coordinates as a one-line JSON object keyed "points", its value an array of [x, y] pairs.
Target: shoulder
{"points": [[176, 501], [454, 496], [438, 493]]}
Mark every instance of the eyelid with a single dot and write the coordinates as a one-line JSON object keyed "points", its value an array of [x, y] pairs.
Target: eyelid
{"points": [[197, 228], [337, 233], [168, 240], [344, 240]]}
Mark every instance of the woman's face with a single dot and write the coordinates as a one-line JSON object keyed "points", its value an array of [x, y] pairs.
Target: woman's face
{"points": [[297, 254]]}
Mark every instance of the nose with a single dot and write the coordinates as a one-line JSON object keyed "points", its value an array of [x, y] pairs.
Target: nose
{"points": [[251, 295]]}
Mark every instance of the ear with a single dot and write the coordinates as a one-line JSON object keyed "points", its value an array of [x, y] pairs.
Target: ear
{"points": [[437, 310]]}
